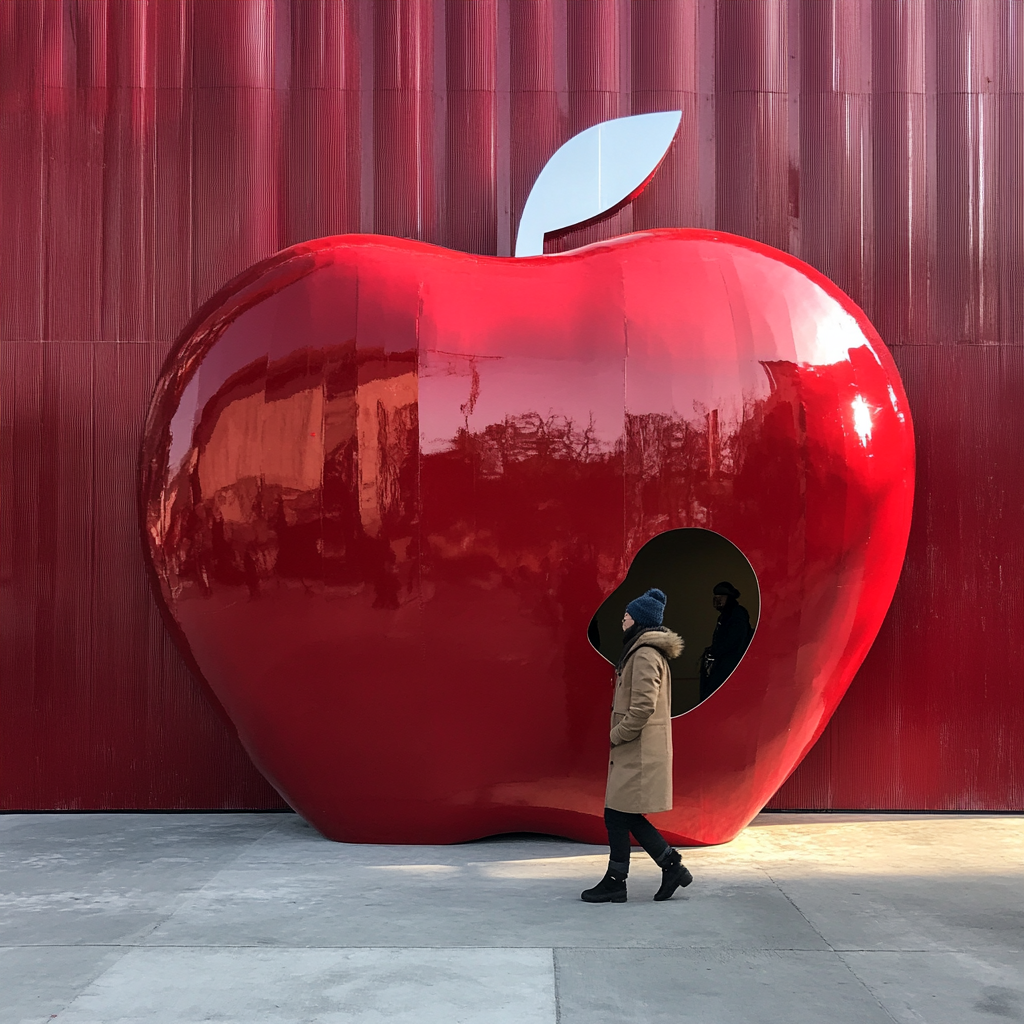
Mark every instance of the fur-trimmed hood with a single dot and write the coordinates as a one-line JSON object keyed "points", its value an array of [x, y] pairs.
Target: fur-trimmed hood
{"points": [[665, 640]]}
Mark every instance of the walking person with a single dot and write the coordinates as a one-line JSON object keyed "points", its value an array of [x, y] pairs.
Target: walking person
{"points": [[640, 765]]}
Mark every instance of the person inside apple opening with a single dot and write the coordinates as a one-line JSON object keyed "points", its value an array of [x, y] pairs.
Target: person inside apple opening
{"points": [[729, 642], [640, 765]]}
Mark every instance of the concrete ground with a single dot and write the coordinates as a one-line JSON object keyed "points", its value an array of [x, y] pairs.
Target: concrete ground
{"points": [[254, 918]]}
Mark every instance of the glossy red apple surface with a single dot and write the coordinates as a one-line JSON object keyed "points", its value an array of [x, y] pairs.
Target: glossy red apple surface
{"points": [[386, 486]]}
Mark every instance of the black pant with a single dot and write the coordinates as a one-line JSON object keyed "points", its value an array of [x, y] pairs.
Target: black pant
{"points": [[619, 825]]}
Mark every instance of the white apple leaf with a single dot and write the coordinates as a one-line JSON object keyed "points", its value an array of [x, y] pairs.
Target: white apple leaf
{"points": [[594, 172]]}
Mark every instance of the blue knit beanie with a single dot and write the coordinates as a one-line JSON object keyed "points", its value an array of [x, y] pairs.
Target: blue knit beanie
{"points": [[648, 610]]}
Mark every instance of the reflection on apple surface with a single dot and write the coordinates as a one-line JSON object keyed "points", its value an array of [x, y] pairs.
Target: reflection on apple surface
{"points": [[384, 498]]}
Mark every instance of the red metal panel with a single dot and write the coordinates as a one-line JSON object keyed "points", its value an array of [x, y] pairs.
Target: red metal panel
{"points": [[471, 135], [753, 186], [54, 514], [21, 467], [21, 197], [73, 214], [665, 76], [538, 91], [935, 719], [98, 709], [899, 304], [171, 257], [598, 90], [323, 149], [965, 306], [127, 279], [236, 154], [835, 145], [1011, 212], [404, 128], [152, 149]]}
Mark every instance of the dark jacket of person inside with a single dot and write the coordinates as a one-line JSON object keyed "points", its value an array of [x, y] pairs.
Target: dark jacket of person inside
{"points": [[728, 643]]}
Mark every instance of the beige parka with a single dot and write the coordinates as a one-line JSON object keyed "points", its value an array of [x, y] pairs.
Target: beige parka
{"points": [[640, 765]]}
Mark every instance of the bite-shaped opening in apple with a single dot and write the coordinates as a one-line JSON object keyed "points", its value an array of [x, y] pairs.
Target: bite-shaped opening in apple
{"points": [[688, 565]]}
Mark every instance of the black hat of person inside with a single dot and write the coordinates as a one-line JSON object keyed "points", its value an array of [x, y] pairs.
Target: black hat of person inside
{"points": [[726, 589], [649, 609]]}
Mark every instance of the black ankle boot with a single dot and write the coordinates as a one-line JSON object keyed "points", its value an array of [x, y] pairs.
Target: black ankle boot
{"points": [[674, 875], [611, 889]]}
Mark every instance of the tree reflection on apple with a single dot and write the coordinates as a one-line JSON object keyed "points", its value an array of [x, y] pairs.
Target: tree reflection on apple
{"points": [[245, 513], [521, 505]]}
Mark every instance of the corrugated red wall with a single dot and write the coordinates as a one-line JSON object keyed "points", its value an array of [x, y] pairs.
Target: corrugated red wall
{"points": [[151, 149]]}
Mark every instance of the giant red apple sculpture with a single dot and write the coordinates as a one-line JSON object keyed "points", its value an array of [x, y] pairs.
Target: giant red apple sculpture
{"points": [[386, 486]]}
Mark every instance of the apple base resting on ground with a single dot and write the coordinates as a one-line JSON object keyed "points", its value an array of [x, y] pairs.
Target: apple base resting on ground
{"points": [[386, 486]]}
